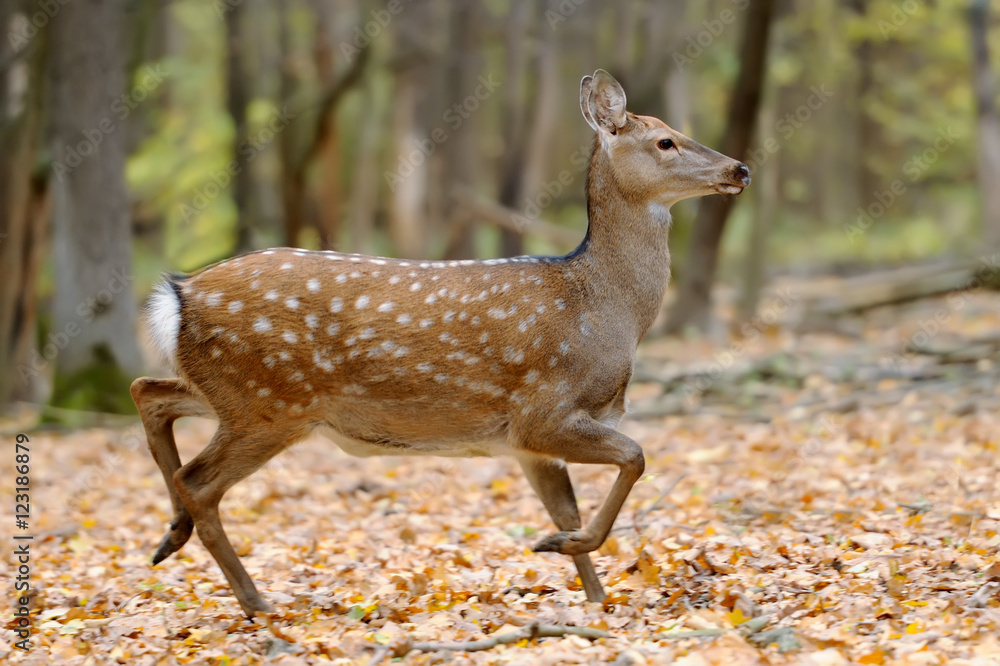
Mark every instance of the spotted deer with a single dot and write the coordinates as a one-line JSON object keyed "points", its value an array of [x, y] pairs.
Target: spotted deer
{"points": [[527, 356]]}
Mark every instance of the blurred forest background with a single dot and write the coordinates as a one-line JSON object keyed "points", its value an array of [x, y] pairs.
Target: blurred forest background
{"points": [[141, 136]]}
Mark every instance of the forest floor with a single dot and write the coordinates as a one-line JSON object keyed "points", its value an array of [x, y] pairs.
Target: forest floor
{"points": [[810, 498]]}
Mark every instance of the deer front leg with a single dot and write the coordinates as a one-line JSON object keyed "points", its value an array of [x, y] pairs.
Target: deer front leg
{"points": [[583, 440], [551, 482]]}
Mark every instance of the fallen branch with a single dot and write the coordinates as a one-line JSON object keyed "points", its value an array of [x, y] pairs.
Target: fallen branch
{"points": [[533, 630], [857, 294], [505, 218], [641, 515], [694, 633]]}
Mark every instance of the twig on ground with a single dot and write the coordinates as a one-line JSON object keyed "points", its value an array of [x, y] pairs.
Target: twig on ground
{"points": [[694, 633], [640, 514], [533, 630]]}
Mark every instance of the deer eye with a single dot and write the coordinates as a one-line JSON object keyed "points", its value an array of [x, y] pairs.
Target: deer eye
{"points": [[665, 144]]}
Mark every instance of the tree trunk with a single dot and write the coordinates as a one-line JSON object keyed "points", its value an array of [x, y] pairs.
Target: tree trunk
{"points": [[293, 182], [237, 99], [93, 325], [868, 129], [326, 187], [364, 174], [989, 122], [23, 195], [407, 172], [544, 120], [512, 160], [766, 207], [460, 150], [694, 300]]}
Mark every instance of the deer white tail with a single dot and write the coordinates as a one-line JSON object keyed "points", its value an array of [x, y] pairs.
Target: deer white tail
{"points": [[163, 320]]}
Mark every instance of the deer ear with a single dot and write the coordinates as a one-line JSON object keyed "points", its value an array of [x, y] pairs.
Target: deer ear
{"points": [[586, 90], [607, 102]]}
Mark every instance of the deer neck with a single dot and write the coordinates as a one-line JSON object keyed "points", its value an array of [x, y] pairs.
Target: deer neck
{"points": [[625, 252]]}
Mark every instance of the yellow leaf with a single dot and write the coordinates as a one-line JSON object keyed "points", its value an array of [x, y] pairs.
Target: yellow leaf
{"points": [[876, 657], [79, 544], [737, 617], [610, 546], [915, 627]]}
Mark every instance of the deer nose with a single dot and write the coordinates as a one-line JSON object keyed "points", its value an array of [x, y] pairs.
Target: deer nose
{"points": [[743, 173]]}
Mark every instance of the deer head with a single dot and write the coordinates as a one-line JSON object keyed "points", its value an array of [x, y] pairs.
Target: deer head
{"points": [[649, 160]]}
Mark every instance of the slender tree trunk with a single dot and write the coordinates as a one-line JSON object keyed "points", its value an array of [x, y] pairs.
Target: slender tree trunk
{"points": [[326, 186], [23, 198], [512, 161], [544, 116], [989, 122], [94, 311], [694, 301], [407, 171], [765, 208], [867, 129], [460, 150], [364, 183], [237, 99], [293, 182]]}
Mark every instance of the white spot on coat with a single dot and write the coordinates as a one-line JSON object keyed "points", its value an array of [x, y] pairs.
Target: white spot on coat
{"points": [[262, 325]]}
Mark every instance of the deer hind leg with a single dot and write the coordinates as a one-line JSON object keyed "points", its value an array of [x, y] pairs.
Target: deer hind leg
{"points": [[231, 456], [550, 479], [581, 439], [161, 402]]}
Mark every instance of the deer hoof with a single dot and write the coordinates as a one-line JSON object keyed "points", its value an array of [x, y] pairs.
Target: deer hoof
{"points": [[172, 542], [257, 610], [568, 543]]}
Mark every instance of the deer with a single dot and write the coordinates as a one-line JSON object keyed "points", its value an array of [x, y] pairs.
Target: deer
{"points": [[528, 357]]}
